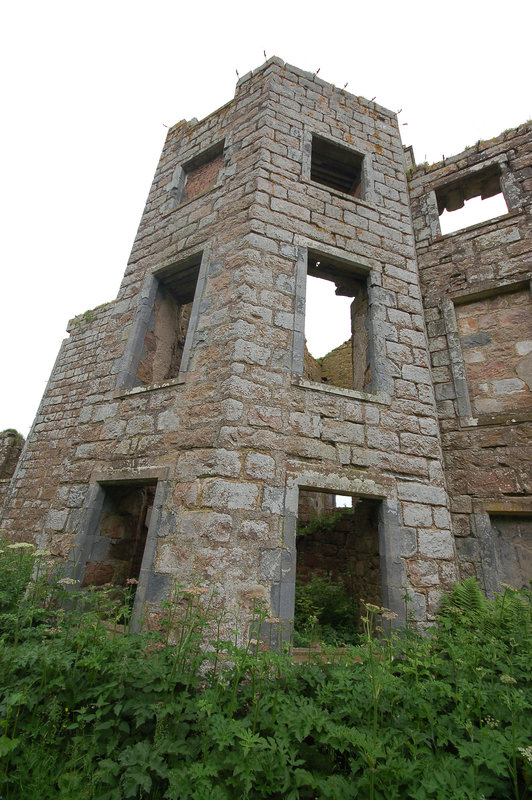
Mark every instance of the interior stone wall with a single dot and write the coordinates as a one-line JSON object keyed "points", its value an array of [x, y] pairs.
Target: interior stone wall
{"points": [[349, 552], [314, 504]]}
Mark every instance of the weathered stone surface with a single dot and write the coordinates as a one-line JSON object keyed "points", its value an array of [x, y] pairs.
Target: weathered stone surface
{"points": [[198, 525], [477, 302], [11, 444], [435, 544], [421, 493], [424, 573], [261, 466], [225, 494], [416, 515]]}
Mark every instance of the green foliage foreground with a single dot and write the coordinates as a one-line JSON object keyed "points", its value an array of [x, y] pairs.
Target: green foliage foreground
{"points": [[88, 712]]}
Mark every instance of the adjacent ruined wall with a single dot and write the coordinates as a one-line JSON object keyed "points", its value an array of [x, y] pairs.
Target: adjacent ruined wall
{"points": [[478, 304], [314, 504], [231, 439], [11, 444], [337, 366]]}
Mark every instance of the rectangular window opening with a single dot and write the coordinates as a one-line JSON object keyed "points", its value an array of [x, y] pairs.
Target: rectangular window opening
{"points": [[119, 546], [201, 172], [336, 325], [162, 355], [336, 166], [337, 565], [473, 199]]}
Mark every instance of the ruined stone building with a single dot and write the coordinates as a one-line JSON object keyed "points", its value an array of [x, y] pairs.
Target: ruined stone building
{"points": [[185, 425]]}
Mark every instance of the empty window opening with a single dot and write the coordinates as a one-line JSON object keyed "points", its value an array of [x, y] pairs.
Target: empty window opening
{"points": [[471, 200], [337, 566], [201, 172], [165, 339], [336, 167], [336, 325], [513, 549], [119, 546], [343, 501]]}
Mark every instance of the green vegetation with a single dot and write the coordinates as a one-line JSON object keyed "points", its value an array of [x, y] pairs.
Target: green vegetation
{"points": [[88, 316], [12, 432], [325, 612], [90, 709], [323, 523], [412, 169], [83, 319]]}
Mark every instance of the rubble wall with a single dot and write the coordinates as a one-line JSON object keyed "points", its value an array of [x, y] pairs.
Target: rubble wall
{"points": [[11, 444], [476, 293]]}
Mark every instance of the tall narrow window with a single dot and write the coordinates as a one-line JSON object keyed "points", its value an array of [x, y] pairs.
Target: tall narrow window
{"points": [[336, 324], [118, 551], [338, 565], [166, 336]]}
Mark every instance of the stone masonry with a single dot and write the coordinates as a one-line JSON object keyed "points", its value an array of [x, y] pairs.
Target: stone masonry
{"points": [[183, 420], [476, 294], [11, 444]]}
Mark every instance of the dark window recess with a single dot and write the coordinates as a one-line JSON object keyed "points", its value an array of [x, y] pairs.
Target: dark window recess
{"points": [[122, 538], [202, 171], [165, 339], [336, 167], [348, 364]]}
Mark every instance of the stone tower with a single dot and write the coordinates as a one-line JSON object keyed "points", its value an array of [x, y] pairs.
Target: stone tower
{"points": [[184, 422]]}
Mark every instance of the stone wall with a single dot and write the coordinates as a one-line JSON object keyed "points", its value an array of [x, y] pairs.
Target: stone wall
{"points": [[337, 366], [476, 294], [495, 336], [11, 444], [314, 504]]}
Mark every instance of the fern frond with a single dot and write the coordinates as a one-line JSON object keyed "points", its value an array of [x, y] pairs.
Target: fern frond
{"points": [[512, 610], [465, 599]]}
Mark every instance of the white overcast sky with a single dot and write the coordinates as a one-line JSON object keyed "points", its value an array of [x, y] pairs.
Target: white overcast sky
{"points": [[88, 88]]}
